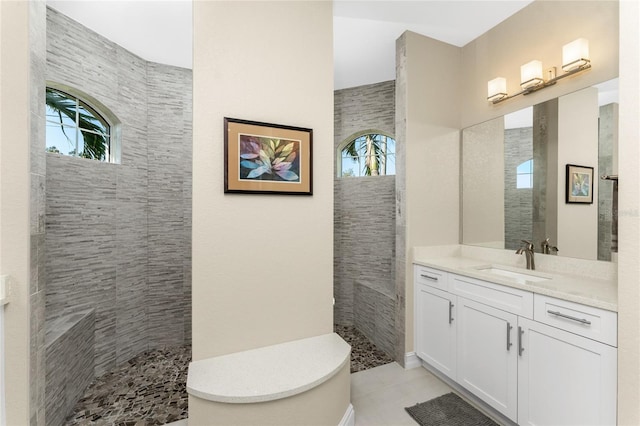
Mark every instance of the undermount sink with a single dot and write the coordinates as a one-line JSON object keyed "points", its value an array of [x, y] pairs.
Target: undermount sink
{"points": [[518, 276]]}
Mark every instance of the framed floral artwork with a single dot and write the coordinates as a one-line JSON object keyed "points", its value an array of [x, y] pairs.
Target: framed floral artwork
{"points": [[579, 184], [267, 158]]}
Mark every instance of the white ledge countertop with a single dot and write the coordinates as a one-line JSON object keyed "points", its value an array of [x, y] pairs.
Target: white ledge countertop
{"points": [[268, 373], [599, 293]]}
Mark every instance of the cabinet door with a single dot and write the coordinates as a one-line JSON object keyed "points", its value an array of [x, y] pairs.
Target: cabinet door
{"points": [[436, 329], [565, 379], [487, 355]]}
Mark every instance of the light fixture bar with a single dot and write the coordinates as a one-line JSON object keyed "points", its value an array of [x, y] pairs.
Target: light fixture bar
{"points": [[542, 85], [575, 59]]}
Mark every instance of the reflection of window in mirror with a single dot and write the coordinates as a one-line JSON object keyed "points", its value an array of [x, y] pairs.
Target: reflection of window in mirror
{"points": [[524, 174]]}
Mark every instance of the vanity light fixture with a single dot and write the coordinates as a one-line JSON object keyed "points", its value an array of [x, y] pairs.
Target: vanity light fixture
{"points": [[531, 75], [575, 58], [575, 54], [497, 89]]}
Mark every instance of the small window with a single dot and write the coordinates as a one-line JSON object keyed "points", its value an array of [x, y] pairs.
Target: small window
{"points": [[524, 175], [76, 129], [370, 154]]}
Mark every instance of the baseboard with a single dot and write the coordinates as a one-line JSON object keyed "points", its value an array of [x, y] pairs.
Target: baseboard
{"points": [[411, 360], [349, 418]]}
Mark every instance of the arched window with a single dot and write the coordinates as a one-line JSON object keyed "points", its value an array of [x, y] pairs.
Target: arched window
{"points": [[524, 175], [367, 154], [78, 129]]}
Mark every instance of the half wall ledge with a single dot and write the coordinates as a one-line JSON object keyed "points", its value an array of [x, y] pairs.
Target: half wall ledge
{"points": [[269, 373]]}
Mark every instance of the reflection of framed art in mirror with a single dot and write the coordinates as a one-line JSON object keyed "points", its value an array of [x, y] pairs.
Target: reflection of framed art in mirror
{"points": [[579, 184]]}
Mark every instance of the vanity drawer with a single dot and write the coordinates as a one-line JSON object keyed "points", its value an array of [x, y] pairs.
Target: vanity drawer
{"points": [[431, 277], [516, 301], [593, 323]]}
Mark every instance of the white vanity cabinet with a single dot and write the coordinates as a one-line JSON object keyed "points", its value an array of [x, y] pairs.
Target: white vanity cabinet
{"points": [[535, 359], [487, 357], [436, 312], [563, 377], [488, 317]]}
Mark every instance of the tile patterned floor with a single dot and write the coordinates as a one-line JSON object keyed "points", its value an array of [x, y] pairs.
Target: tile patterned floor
{"points": [[364, 354], [150, 389]]}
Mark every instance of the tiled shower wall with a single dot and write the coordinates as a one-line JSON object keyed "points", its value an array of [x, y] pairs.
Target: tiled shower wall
{"points": [[545, 154], [518, 202], [37, 170], [364, 222], [607, 149], [118, 235]]}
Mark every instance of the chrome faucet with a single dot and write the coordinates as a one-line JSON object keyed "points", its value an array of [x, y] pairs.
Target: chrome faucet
{"points": [[527, 249], [547, 247]]}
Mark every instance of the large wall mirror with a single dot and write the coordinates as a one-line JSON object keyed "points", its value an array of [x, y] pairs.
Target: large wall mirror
{"points": [[514, 176]]}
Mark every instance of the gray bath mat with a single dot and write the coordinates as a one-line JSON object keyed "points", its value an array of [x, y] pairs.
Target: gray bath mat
{"points": [[448, 410]]}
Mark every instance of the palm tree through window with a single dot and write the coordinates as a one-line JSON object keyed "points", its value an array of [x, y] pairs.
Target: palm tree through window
{"points": [[370, 154], [76, 129]]}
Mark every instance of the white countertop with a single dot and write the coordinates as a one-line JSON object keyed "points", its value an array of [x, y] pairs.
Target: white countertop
{"points": [[600, 293], [268, 373]]}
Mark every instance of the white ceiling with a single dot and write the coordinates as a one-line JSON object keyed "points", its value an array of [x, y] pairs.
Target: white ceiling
{"points": [[364, 30], [156, 30]]}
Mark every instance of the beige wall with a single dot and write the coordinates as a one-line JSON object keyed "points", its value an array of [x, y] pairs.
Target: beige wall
{"points": [[432, 143], [578, 144], [537, 32], [14, 202], [262, 264], [629, 217]]}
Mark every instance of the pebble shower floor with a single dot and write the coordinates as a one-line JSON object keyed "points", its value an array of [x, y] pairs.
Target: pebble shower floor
{"points": [[150, 389]]}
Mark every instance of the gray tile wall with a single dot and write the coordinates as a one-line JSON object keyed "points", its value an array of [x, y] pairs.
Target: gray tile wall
{"points": [[118, 235], [169, 202], [401, 185], [545, 159], [364, 222], [37, 51], [607, 140], [518, 203], [69, 360], [81, 246]]}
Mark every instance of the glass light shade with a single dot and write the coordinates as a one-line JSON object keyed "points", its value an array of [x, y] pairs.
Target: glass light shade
{"points": [[575, 54], [531, 74], [497, 89]]}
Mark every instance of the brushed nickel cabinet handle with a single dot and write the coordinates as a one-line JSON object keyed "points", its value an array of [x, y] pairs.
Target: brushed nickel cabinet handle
{"points": [[451, 305], [580, 320], [520, 348], [429, 277], [509, 344]]}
